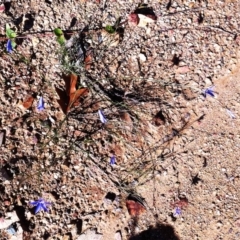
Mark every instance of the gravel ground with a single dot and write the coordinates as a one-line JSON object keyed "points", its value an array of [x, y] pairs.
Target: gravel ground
{"points": [[173, 146]]}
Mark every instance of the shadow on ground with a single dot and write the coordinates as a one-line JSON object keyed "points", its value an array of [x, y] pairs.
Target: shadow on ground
{"points": [[159, 232]]}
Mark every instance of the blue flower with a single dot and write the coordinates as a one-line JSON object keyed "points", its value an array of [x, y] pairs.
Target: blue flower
{"points": [[40, 204], [177, 212], [40, 105], [209, 91], [102, 117], [9, 46], [112, 160]]}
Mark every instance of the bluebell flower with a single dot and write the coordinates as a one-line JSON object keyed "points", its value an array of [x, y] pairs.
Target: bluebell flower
{"points": [[209, 91], [112, 160], [177, 212], [9, 46], [40, 204], [40, 105], [102, 117]]}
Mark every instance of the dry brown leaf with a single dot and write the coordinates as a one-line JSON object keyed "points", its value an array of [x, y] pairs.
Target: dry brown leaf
{"points": [[70, 96], [74, 99], [28, 102], [182, 203], [135, 205], [70, 83], [134, 208]]}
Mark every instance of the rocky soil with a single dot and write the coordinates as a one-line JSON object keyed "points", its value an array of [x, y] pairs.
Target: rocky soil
{"points": [[175, 147]]}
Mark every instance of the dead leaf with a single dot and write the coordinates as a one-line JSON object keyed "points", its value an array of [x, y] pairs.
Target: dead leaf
{"points": [[70, 83], [70, 96], [135, 205], [182, 203], [74, 99], [28, 102]]}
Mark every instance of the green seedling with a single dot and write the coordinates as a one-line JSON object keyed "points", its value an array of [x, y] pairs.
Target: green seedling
{"points": [[10, 33], [60, 36], [112, 29]]}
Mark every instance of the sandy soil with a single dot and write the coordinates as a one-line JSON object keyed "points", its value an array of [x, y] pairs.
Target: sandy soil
{"points": [[174, 147]]}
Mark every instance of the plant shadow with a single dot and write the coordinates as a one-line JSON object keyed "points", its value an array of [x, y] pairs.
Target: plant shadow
{"points": [[161, 231]]}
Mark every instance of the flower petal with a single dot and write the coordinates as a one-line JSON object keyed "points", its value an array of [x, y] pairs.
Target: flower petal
{"points": [[102, 117], [44, 208], [177, 212], [209, 91], [112, 160], [38, 208], [40, 105], [33, 203], [9, 46]]}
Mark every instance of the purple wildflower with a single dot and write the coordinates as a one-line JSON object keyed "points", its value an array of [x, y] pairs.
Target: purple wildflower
{"points": [[112, 160], [177, 212], [209, 91], [40, 204], [102, 117], [9, 46], [40, 105]]}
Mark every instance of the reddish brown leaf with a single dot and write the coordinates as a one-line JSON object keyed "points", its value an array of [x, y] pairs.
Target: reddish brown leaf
{"points": [[70, 96], [182, 203], [134, 208], [70, 83], [135, 205], [28, 102], [75, 97]]}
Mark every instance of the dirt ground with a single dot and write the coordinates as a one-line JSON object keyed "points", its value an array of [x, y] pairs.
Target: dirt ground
{"points": [[174, 147]]}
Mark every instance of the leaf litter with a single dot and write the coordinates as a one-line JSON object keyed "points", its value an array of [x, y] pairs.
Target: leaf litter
{"points": [[71, 96]]}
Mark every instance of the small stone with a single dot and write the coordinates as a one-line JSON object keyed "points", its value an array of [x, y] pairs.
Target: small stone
{"points": [[142, 57], [118, 236]]}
